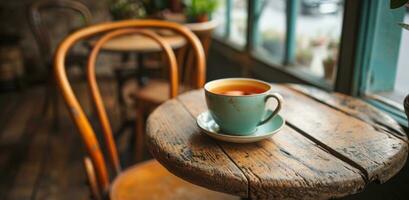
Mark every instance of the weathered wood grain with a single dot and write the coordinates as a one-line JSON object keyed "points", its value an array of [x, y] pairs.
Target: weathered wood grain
{"points": [[286, 166], [354, 107], [175, 141], [8, 105], [38, 162], [62, 170], [19, 136], [379, 154]]}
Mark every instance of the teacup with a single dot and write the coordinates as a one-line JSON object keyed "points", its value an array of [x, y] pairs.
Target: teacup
{"points": [[238, 105]]}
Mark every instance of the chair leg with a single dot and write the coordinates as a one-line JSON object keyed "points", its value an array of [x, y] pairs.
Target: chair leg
{"points": [[56, 109], [139, 135], [51, 102], [92, 179], [47, 97]]}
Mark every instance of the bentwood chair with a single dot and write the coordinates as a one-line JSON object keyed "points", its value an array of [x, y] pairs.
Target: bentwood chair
{"points": [[155, 92], [41, 32], [148, 180]]}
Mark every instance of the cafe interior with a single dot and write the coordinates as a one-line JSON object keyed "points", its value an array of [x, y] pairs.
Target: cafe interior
{"points": [[204, 99]]}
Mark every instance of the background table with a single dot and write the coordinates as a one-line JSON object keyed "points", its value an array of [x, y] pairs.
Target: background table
{"points": [[142, 44], [332, 145]]}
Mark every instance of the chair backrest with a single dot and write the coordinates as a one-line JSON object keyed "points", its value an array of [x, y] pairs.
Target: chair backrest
{"points": [[40, 30], [76, 111], [96, 96]]}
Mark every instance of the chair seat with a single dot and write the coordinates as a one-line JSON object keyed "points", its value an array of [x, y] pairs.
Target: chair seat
{"points": [[156, 91], [150, 180]]}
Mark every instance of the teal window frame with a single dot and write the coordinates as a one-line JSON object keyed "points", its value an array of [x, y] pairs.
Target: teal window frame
{"points": [[378, 52]]}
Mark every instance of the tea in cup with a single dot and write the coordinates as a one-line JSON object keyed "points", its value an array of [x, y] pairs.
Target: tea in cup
{"points": [[238, 105]]}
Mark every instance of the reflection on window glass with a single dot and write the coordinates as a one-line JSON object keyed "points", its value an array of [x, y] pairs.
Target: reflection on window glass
{"points": [[238, 22], [318, 33], [220, 16], [270, 29]]}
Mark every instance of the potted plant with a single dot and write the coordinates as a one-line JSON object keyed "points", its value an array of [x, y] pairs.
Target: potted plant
{"points": [[126, 9], [304, 57], [329, 64], [272, 42], [199, 10], [318, 41]]}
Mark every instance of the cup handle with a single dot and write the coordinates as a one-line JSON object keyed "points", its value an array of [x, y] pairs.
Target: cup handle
{"points": [[279, 100]]}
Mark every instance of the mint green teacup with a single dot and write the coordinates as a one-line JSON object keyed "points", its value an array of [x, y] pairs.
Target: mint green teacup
{"points": [[238, 105]]}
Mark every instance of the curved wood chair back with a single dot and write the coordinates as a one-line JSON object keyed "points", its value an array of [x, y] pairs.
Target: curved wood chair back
{"points": [[77, 113], [40, 30], [95, 92]]}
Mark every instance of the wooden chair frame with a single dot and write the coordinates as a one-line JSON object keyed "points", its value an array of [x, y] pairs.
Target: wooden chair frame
{"points": [[39, 29], [95, 92], [41, 34], [77, 113]]}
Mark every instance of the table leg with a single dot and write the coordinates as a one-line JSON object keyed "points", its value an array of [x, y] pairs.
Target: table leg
{"points": [[140, 74]]}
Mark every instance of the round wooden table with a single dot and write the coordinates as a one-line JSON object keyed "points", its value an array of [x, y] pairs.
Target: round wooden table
{"points": [[142, 44], [332, 145]]}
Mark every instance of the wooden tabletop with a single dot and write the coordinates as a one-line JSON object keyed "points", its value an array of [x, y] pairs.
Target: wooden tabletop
{"points": [[139, 43], [332, 145]]}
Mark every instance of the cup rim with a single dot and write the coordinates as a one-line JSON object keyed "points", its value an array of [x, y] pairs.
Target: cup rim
{"points": [[244, 79]]}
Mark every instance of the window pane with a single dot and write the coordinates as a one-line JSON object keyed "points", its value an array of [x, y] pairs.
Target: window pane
{"points": [[220, 16], [386, 60], [238, 22], [401, 85], [270, 29], [318, 33]]}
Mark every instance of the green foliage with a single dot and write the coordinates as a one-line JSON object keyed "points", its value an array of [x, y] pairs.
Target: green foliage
{"points": [[200, 7], [397, 3], [154, 6], [126, 9], [405, 26]]}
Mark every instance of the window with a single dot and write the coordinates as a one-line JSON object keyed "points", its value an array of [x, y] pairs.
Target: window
{"points": [[385, 77], [318, 34], [401, 86], [232, 18], [301, 39], [220, 15], [238, 22], [270, 29], [303, 35]]}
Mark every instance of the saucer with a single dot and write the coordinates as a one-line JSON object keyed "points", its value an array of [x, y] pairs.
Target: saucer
{"points": [[209, 126]]}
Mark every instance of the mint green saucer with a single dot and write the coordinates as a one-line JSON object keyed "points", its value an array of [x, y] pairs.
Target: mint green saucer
{"points": [[209, 126]]}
